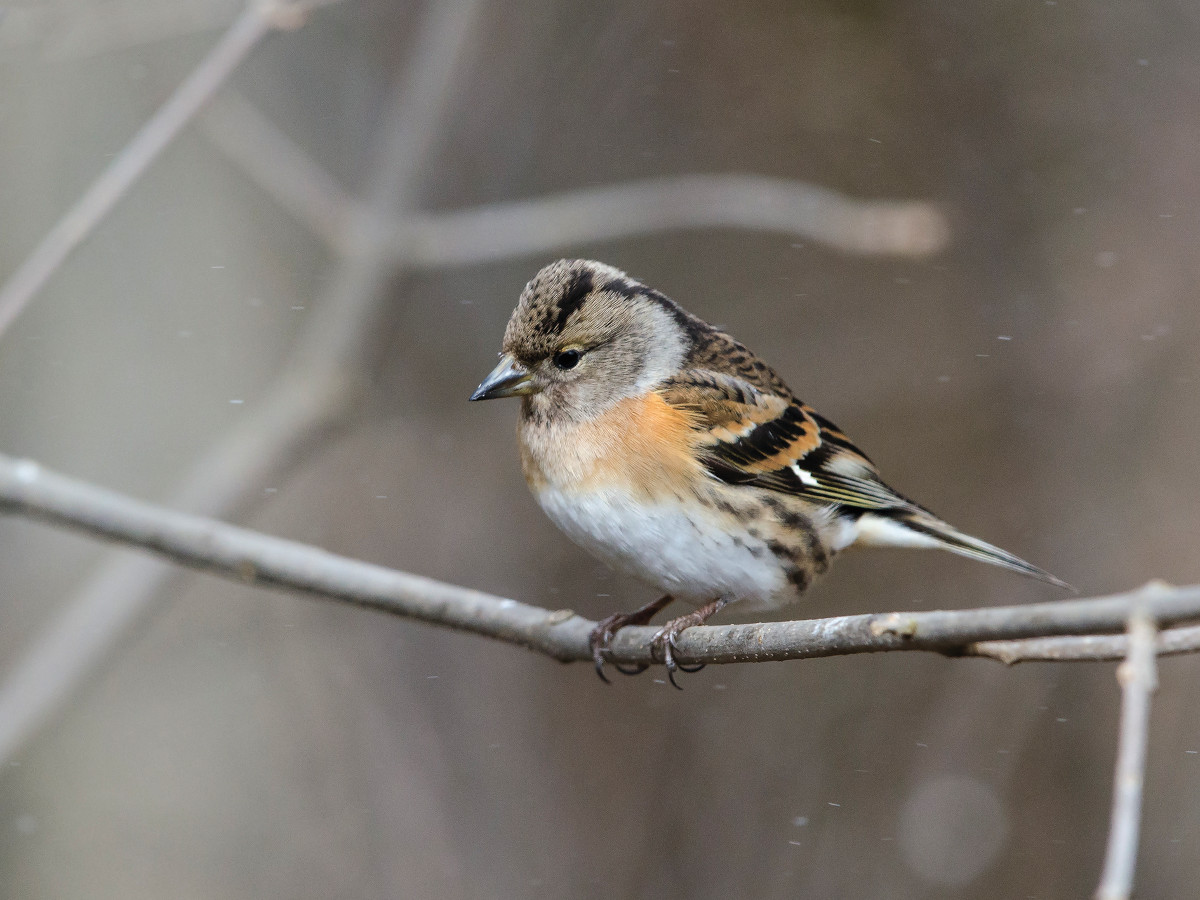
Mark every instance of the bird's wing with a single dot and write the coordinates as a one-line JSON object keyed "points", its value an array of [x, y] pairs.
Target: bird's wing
{"points": [[752, 436], [763, 438]]}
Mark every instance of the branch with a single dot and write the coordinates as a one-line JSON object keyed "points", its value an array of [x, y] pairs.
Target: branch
{"points": [[278, 165], [30, 490], [526, 227], [1090, 648], [1139, 680], [257, 20]]}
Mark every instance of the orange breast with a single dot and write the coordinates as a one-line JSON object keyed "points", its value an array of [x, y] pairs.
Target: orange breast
{"points": [[642, 444]]}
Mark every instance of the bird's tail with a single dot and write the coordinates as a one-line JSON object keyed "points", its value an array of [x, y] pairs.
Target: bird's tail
{"points": [[926, 530]]}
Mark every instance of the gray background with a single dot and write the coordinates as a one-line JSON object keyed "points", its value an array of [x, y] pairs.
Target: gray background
{"points": [[240, 743]]}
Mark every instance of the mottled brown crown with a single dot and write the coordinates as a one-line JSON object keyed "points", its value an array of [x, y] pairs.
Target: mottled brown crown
{"points": [[553, 300]]}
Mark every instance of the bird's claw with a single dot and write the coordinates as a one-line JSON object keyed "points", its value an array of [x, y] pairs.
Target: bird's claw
{"points": [[606, 629], [664, 645], [598, 640]]}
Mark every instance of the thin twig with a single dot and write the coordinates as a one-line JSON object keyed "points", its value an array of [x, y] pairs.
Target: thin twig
{"points": [[30, 490], [1086, 648], [311, 396], [277, 164], [1139, 679], [251, 26], [526, 227]]}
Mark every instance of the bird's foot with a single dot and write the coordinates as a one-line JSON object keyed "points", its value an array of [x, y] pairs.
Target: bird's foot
{"points": [[605, 630], [663, 643]]}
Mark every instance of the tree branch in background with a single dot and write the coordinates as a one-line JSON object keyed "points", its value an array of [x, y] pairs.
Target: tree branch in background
{"points": [[1139, 679], [750, 202], [30, 490], [1090, 648], [279, 166], [528, 227], [259, 19]]}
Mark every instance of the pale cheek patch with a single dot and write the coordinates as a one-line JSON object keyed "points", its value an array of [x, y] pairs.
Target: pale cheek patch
{"points": [[664, 354]]}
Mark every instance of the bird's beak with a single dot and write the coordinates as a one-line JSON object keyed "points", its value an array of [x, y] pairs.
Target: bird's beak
{"points": [[508, 379]]}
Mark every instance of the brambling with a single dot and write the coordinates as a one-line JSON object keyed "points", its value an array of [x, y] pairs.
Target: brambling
{"points": [[667, 449]]}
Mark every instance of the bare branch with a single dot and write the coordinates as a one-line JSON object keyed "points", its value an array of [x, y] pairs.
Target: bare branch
{"points": [[526, 227], [120, 591], [259, 18], [277, 164], [28, 489], [1085, 648], [1139, 679]]}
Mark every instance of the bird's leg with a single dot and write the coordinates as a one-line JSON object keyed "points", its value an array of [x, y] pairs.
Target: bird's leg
{"points": [[664, 640], [603, 633]]}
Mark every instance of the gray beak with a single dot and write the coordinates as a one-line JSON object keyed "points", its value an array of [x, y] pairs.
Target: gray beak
{"points": [[508, 379]]}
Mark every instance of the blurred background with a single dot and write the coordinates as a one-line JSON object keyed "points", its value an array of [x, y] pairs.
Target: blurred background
{"points": [[233, 340]]}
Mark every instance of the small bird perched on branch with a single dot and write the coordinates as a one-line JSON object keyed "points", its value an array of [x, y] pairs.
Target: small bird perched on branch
{"points": [[667, 449]]}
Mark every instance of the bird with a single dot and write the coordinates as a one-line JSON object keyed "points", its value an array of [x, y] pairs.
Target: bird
{"points": [[667, 449]]}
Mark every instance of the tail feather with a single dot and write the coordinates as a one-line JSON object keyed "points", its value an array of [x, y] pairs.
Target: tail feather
{"points": [[937, 533]]}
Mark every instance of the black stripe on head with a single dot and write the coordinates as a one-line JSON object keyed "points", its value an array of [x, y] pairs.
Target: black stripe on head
{"points": [[577, 291], [630, 290], [622, 287]]}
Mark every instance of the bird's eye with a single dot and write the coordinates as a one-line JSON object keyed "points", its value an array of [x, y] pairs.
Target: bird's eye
{"points": [[567, 359]]}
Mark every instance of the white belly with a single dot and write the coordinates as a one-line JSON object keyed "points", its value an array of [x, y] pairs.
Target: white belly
{"points": [[693, 561]]}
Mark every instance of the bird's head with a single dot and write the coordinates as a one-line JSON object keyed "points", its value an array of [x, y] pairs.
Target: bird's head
{"points": [[583, 337]]}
